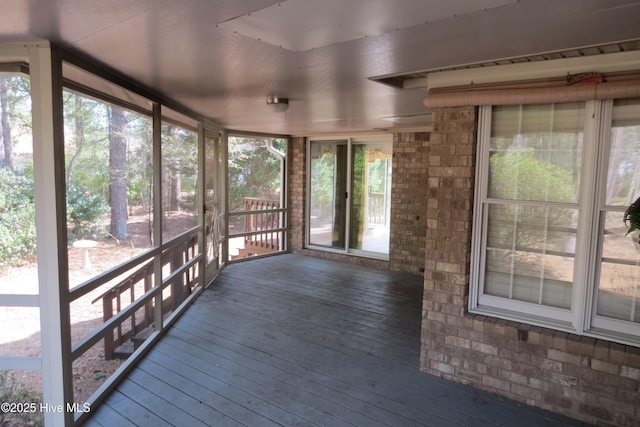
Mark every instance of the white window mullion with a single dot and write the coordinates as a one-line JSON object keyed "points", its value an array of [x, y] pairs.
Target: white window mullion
{"points": [[349, 189], [514, 247], [544, 253], [481, 209], [590, 230], [546, 215]]}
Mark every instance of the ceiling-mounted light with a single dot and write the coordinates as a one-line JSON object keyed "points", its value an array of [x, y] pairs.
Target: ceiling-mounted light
{"points": [[278, 103]]}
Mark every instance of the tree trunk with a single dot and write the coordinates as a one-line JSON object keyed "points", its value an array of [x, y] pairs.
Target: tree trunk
{"points": [[6, 127], [174, 190], [118, 173], [77, 109]]}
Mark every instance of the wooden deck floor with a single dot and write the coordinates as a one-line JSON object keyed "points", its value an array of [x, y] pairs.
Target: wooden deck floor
{"points": [[296, 341]]}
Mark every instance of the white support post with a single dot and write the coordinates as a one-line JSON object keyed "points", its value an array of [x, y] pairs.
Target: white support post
{"points": [[202, 236], [48, 159], [224, 192], [158, 215]]}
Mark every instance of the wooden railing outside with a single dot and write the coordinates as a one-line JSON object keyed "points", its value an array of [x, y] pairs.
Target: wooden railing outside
{"points": [[137, 284], [377, 211], [265, 221]]}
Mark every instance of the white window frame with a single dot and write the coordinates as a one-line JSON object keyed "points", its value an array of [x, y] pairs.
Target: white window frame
{"points": [[581, 318]]}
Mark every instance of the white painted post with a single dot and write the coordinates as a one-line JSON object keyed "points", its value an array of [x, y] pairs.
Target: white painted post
{"points": [[48, 161], [158, 210]]}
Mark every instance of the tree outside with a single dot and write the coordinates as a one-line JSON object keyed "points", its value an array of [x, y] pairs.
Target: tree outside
{"points": [[17, 244], [254, 183], [253, 170]]}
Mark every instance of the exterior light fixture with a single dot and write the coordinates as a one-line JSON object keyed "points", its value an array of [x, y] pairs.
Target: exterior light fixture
{"points": [[277, 103]]}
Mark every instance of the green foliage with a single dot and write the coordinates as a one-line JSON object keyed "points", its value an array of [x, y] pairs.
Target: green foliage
{"points": [[322, 172], [139, 163], [86, 141], [16, 393], [17, 217], [89, 162], [19, 105], [139, 190], [632, 216], [253, 171], [377, 175], [85, 210], [98, 375], [521, 176]]}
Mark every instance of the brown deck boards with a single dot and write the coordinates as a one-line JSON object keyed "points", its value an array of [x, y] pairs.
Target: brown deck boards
{"points": [[297, 341]]}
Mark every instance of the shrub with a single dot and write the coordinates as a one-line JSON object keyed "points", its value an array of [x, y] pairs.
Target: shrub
{"points": [[14, 392], [521, 176], [17, 218], [84, 211]]}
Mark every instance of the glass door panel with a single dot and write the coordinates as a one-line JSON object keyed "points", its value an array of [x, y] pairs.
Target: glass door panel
{"points": [[328, 195], [350, 195], [370, 197]]}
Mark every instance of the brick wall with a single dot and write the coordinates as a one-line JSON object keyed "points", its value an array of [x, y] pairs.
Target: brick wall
{"points": [[409, 202], [296, 192], [408, 205], [592, 380]]}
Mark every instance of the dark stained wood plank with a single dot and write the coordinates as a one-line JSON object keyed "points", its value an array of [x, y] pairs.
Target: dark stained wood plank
{"points": [[334, 329], [247, 407], [92, 423], [128, 413], [293, 340], [268, 378], [365, 372], [276, 396], [196, 407], [374, 407], [167, 410]]}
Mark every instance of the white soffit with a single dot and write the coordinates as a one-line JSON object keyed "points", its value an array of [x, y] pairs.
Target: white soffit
{"points": [[605, 63], [611, 57], [301, 25]]}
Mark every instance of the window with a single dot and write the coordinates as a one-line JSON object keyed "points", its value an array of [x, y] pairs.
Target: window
{"points": [[350, 188], [550, 243]]}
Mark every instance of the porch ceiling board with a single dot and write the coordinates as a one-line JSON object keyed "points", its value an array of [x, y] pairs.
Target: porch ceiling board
{"points": [[289, 340]]}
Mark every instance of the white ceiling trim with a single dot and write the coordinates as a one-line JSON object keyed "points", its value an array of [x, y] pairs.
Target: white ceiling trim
{"points": [[611, 62]]}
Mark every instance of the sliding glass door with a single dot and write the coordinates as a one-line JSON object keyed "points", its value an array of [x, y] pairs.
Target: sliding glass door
{"points": [[349, 195]]}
